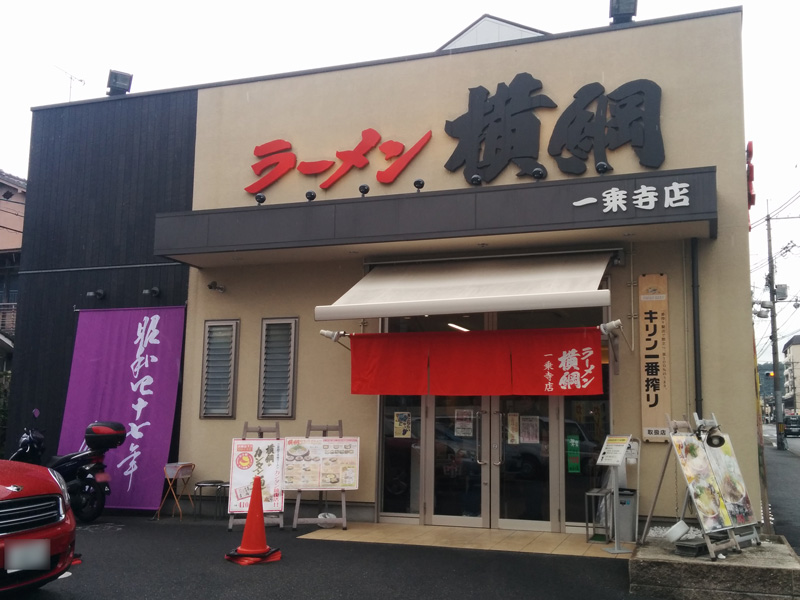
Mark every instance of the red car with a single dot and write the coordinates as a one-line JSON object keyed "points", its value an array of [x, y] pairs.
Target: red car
{"points": [[37, 527]]}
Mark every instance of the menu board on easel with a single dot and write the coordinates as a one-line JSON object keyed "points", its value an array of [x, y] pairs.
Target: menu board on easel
{"points": [[731, 484], [715, 483], [325, 463], [252, 458]]}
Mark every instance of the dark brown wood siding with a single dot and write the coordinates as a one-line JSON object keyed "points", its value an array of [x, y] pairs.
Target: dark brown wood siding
{"points": [[99, 172]]}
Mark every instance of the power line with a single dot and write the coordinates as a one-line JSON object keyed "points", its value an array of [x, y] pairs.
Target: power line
{"points": [[794, 198], [787, 249]]}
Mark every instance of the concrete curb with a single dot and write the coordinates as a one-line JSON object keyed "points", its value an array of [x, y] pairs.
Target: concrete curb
{"points": [[769, 570]]}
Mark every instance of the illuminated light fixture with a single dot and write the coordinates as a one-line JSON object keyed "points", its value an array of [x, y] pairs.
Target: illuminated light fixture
{"points": [[119, 83], [459, 327]]}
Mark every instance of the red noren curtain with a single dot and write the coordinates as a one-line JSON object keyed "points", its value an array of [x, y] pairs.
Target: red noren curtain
{"points": [[536, 362]]}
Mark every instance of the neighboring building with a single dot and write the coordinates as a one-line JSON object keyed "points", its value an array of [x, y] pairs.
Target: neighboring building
{"points": [[12, 217], [490, 30], [791, 363], [526, 191]]}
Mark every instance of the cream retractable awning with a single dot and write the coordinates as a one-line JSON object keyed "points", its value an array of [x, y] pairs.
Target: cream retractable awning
{"points": [[476, 285]]}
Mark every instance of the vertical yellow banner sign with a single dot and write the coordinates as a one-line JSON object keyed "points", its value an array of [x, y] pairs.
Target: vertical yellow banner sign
{"points": [[654, 356]]}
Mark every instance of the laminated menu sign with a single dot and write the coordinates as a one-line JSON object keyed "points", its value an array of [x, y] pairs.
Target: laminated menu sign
{"points": [[321, 464], [715, 483], [251, 458], [613, 452], [731, 483]]}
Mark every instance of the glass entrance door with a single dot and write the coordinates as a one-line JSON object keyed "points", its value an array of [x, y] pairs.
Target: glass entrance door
{"points": [[524, 497], [509, 462], [491, 462], [458, 481]]}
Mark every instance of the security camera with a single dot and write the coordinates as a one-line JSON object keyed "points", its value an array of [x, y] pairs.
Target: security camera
{"points": [[419, 184], [475, 180], [539, 173], [212, 285], [261, 198], [311, 195], [603, 167], [364, 189]]}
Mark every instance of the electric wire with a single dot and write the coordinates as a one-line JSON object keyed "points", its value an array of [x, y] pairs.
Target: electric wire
{"points": [[774, 213]]}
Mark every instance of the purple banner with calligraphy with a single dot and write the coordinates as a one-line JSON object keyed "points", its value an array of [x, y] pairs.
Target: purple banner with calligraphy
{"points": [[125, 368]]}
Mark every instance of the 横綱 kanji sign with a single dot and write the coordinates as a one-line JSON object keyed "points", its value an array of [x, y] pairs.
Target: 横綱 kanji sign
{"points": [[503, 129]]}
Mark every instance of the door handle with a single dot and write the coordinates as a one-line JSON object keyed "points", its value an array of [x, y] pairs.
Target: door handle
{"points": [[478, 436], [500, 439]]}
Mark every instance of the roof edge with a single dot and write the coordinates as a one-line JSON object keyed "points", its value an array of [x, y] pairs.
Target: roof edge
{"points": [[423, 56]]}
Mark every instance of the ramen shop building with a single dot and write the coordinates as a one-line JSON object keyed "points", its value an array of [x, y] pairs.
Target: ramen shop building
{"points": [[467, 218]]}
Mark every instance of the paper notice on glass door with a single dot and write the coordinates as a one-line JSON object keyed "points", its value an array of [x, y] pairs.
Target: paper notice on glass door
{"points": [[463, 422], [529, 429], [402, 424]]}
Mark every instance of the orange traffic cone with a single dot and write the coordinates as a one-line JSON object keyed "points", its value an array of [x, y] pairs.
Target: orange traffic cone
{"points": [[254, 547]]}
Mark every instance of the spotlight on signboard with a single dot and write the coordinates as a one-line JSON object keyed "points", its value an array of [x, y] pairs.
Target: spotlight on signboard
{"points": [[622, 11], [335, 336], [119, 83]]}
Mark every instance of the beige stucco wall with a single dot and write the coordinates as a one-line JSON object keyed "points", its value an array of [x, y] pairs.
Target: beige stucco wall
{"points": [[323, 113], [323, 368], [697, 63]]}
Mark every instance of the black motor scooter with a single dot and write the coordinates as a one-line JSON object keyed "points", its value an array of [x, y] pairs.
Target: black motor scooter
{"points": [[84, 471]]}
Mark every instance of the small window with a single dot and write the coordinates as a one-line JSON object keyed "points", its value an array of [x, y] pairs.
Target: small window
{"points": [[278, 350], [219, 369]]}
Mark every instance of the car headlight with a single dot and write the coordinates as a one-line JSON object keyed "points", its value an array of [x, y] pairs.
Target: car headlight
{"points": [[63, 485]]}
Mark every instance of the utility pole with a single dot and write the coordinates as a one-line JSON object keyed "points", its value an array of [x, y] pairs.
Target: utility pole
{"points": [[777, 394]]}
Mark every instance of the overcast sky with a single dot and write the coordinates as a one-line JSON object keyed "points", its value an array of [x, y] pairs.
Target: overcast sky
{"points": [[55, 51]]}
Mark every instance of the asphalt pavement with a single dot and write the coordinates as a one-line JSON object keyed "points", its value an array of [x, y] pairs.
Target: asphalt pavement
{"points": [[128, 557], [131, 556], [783, 486]]}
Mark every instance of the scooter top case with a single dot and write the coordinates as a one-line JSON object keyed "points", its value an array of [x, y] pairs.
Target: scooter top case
{"points": [[105, 435]]}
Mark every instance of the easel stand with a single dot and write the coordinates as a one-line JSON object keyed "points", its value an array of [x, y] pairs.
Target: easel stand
{"points": [[325, 431], [274, 518], [718, 540]]}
